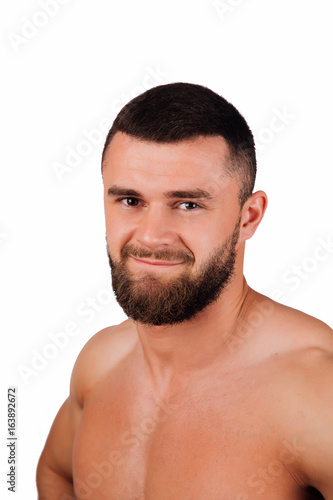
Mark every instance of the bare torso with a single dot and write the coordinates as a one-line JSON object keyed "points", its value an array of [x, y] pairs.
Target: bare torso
{"points": [[218, 435]]}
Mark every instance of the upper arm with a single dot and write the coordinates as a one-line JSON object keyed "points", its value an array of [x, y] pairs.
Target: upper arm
{"points": [[92, 363], [316, 434], [57, 452]]}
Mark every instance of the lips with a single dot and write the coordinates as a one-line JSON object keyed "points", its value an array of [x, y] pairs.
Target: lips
{"points": [[156, 263]]}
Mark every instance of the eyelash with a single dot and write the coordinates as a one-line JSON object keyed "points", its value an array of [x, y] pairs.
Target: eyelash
{"points": [[120, 200]]}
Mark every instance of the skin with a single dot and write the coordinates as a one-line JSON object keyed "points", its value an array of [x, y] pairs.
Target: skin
{"points": [[236, 404]]}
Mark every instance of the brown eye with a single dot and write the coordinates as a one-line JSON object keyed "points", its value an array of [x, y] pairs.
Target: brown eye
{"points": [[189, 205], [130, 202]]}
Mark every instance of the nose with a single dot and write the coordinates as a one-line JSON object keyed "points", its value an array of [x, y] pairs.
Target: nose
{"points": [[156, 228]]}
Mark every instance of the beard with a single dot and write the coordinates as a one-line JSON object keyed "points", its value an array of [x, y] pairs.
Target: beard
{"points": [[154, 301]]}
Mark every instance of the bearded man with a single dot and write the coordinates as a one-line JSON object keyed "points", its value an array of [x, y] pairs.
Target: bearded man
{"points": [[210, 390]]}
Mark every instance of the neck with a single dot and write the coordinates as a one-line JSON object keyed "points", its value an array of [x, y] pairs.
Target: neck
{"points": [[175, 352]]}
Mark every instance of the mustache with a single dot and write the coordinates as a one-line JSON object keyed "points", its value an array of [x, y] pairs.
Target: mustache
{"points": [[166, 255]]}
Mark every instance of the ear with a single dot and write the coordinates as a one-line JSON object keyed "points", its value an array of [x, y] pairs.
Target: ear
{"points": [[252, 213]]}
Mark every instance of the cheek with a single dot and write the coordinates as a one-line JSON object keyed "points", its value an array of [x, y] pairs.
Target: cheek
{"points": [[117, 234], [212, 240], [210, 237], [202, 240]]}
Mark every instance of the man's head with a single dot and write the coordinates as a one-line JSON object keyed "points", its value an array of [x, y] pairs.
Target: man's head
{"points": [[178, 201]]}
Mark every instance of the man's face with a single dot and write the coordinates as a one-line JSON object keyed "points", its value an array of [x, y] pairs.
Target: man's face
{"points": [[172, 226]]}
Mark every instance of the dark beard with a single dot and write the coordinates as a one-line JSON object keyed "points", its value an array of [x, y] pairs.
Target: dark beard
{"points": [[152, 301]]}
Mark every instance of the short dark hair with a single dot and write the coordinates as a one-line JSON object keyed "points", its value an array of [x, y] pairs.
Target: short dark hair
{"points": [[183, 111]]}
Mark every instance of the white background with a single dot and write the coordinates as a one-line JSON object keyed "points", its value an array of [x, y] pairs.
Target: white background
{"points": [[66, 72]]}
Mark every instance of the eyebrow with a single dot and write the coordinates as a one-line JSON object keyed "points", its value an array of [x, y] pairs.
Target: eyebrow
{"points": [[191, 193]]}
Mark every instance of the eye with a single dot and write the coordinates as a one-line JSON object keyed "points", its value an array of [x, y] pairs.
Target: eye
{"points": [[189, 205], [129, 202]]}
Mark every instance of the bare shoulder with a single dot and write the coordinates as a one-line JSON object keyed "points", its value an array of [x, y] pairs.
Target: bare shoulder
{"points": [[296, 352], [303, 349], [101, 354], [289, 329]]}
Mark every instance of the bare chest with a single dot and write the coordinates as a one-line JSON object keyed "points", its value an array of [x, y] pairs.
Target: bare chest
{"points": [[206, 444]]}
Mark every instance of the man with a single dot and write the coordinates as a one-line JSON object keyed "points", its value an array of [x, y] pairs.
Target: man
{"points": [[210, 390]]}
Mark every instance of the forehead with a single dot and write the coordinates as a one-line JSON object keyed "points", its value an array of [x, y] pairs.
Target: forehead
{"points": [[199, 163]]}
